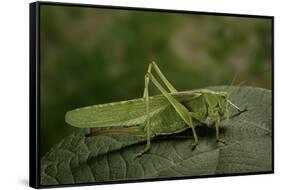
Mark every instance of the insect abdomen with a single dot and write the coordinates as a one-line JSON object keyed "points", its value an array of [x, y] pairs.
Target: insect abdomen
{"points": [[167, 121]]}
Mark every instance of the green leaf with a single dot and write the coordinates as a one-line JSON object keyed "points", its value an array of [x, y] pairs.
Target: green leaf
{"points": [[77, 159]]}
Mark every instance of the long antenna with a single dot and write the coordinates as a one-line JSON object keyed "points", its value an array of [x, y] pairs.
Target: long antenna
{"points": [[233, 79], [237, 87], [232, 82]]}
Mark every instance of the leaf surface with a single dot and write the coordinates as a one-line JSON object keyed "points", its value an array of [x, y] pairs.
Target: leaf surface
{"points": [[77, 159]]}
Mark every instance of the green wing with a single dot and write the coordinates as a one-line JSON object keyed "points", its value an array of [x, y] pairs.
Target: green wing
{"points": [[124, 113]]}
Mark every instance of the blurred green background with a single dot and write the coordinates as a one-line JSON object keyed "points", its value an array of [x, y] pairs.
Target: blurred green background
{"points": [[95, 55]]}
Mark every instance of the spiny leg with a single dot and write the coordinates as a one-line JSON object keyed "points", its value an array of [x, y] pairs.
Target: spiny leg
{"points": [[146, 83], [217, 125], [151, 66], [181, 110], [147, 126], [154, 66], [195, 143], [170, 87]]}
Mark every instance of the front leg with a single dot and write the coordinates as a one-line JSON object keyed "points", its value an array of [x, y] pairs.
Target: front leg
{"points": [[217, 125]]}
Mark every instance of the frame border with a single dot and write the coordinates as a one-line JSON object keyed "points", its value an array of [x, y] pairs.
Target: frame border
{"points": [[34, 91], [34, 96]]}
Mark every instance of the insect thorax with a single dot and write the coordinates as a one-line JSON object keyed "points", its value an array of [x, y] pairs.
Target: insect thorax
{"points": [[209, 106]]}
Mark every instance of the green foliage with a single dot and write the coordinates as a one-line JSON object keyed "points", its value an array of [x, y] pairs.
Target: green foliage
{"points": [[77, 159]]}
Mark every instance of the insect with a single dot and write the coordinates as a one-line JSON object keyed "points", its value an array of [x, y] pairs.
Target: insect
{"points": [[150, 116]]}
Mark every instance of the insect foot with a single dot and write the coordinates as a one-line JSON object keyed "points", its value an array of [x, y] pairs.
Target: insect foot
{"points": [[138, 155], [222, 141], [243, 110], [194, 145]]}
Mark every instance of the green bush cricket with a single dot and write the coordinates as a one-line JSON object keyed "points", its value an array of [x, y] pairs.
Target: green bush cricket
{"points": [[151, 116]]}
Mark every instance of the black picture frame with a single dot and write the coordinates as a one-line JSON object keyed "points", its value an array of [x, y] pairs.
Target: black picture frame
{"points": [[34, 98]]}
